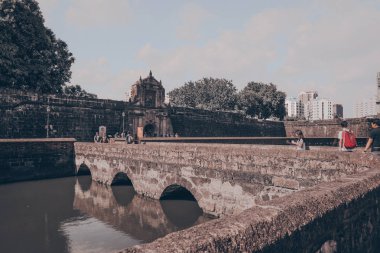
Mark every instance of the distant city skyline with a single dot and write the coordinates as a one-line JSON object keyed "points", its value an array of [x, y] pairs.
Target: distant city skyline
{"points": [[308, 105], [365, 107], [293, 44]]}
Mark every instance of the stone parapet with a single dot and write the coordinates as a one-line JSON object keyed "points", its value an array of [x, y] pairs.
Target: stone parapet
{"points": [[269, 221], [327, 128]]}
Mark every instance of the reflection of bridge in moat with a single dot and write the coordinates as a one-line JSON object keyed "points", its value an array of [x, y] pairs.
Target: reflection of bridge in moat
{"points": [[143, 218]]}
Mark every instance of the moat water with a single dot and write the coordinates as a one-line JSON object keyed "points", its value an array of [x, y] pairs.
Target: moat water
{"points": [[76, 215]]}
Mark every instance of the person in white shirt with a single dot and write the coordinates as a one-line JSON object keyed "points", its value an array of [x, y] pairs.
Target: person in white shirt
{"points": [[300, 143]]}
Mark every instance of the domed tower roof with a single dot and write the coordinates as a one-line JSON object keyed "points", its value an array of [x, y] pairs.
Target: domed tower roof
{"points": [[149, 80], [148, 92]]}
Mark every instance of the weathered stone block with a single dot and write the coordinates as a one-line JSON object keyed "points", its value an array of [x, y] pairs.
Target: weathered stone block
{"points": [[285, 183]]}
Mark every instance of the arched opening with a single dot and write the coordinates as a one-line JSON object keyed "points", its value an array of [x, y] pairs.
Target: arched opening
{"points": [[84, 177], [121, 179], [149, 130], [83, 170], [122, 189], [176, 192], [180, 206]]}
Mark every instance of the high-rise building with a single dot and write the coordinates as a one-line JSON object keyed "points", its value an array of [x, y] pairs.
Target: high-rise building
{"points": [[293, 107], [378, 93], [337, 111], [320, 109], [305, 97], [364, 108]]}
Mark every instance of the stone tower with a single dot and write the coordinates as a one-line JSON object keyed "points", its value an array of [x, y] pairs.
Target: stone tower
{"points": [[378, 94], [148, 92]]}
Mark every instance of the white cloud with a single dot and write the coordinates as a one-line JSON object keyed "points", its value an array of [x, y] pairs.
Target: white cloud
{"points": [[96, 76], [47, 4], [329, 46], [335, 51], [191, 17], [98, 13]]}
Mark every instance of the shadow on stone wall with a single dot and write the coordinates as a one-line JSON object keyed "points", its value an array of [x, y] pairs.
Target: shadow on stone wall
{"points": [[351, 228]]}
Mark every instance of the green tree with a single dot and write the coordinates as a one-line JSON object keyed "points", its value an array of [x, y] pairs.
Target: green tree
{"points": [[207, 93], [31, 57], [184, 96], [262, 100], [77, 91]]}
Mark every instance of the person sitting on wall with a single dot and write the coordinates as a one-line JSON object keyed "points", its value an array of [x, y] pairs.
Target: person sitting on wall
{"points": [[129, 138], [97, 137], [299, 143], [117, 135], [345, 138], [374, 138]]}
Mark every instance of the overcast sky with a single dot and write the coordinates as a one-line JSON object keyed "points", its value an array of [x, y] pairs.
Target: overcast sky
{"points": [[325, 45]]}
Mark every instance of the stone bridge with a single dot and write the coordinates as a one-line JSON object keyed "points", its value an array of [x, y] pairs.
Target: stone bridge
{"points": [[224, 179]]}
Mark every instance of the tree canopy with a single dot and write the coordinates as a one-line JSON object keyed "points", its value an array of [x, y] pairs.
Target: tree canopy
{"points": [[207, 93], [77, 91], [262, 100], [31, 57], [256, 99]]}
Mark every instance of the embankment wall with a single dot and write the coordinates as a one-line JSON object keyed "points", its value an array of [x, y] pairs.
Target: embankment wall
{"points": [[29, 159]]}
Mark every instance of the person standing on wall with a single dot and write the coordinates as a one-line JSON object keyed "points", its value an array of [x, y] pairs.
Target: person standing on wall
{"points": [[374, 138]]}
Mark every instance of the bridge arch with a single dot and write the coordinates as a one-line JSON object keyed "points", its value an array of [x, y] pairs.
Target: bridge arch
{"points": [[121, 178], [176, 191], [184, 187], [84, 177], [83, 169]]}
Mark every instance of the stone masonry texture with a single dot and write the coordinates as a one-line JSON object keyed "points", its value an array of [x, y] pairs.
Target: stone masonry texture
{"points": [[24, 115], [270, 220], [29, 159], [261, 193]]}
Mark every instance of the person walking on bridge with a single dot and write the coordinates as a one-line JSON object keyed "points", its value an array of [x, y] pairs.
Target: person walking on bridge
{"points": [[374, 138]]}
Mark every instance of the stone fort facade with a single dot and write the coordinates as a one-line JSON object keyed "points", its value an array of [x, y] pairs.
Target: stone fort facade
{"points": [[32, 115]]}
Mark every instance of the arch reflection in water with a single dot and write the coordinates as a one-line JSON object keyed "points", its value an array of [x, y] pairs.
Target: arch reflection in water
{"points": [[140, 218], [84, 182], [122, 189], [123, 194]]}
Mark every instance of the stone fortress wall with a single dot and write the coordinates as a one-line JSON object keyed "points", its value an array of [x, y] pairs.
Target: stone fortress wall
{"points": [[24, 115], [328, 128]]}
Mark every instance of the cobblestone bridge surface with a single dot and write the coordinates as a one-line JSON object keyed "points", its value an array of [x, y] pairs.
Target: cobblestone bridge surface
{"points": [[261, 193]]}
